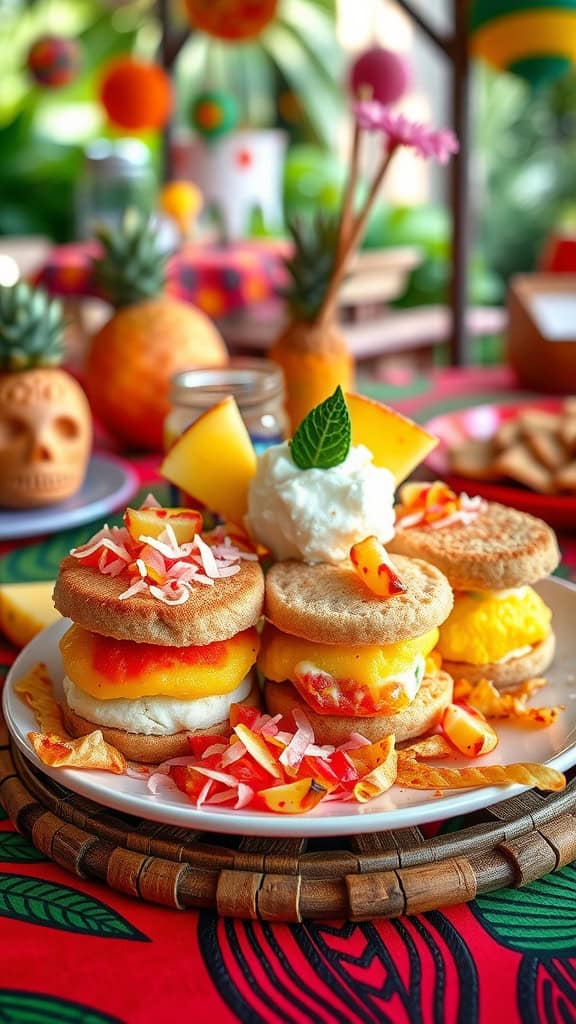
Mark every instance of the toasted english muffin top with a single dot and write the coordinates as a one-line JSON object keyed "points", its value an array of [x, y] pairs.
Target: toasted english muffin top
{"points": [[502, 548], [331, 604], [210, 613]]}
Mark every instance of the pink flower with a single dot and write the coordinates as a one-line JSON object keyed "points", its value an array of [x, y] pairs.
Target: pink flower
{"points": [[428, 142]]}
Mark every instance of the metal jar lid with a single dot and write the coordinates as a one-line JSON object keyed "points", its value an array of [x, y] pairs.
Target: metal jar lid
{"points": [[250, 381]]}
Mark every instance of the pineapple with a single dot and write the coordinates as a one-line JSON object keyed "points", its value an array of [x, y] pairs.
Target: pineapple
{"points": [[31, 328], [45, 421], [150, 337], [311, 349]]}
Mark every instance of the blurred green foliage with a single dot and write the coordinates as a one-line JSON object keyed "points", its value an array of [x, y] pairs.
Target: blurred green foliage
{"points": [[42, 131], [314, 179], [295, 66], [523, 168], [524, 141], [291, 75]]}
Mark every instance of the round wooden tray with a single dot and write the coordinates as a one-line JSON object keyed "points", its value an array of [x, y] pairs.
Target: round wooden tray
{"points": [[355, 877]]}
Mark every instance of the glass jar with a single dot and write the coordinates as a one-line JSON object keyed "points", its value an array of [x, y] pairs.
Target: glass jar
{"points": [[256, 384], [116, 174]]}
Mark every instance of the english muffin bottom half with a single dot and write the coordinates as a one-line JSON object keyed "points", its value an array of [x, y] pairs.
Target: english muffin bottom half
{"points": [[353, 661], [150, 674], [500, 628]]}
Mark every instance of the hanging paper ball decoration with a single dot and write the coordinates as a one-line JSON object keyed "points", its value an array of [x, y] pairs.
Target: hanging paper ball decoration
{"points": [[53, 61], [233, 20], [182, 201], [535, 39], [380, 74], [214, 113], [137, 96]]}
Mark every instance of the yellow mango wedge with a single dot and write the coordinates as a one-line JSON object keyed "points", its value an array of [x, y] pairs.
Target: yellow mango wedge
{"points": [[26, 609], [150, 522], [375, 568], [396, 443], [293, 798], [214, 461], [468, 730]]}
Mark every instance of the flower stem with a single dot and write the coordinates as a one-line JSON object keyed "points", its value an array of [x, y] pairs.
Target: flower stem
{"points": [[352, 238], [348, 201]]}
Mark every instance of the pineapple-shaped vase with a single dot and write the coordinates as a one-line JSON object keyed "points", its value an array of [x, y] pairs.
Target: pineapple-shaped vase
{"points": [[311, 349], [45, 420], [150, 337]]}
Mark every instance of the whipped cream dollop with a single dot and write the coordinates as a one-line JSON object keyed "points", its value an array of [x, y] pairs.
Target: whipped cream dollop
{"points": [[316, 515]]}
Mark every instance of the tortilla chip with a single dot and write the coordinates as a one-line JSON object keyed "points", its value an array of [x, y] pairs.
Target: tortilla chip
{"points": [[382, 776], [35, 688], [53, 744], [493, 703], [89, 751]]}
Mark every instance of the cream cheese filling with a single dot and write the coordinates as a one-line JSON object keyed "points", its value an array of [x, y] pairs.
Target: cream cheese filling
{"points": [[155, 716]]}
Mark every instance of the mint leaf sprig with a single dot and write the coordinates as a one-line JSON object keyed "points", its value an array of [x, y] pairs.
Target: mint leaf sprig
{"points": [[323, 438]]}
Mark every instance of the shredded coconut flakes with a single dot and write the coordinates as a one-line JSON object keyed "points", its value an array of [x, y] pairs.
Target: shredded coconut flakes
{"points": [[160, 566]]}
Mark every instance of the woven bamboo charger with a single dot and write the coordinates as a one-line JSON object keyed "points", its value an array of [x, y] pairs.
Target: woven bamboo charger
{"points": [[355, 877]]}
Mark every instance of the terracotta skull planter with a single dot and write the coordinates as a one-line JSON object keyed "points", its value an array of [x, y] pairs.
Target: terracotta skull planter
{"points": [[45, 437]]}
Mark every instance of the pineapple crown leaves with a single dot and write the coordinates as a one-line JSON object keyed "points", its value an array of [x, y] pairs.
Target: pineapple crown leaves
{"points": [[31, 328], [310, 266], [133, 267]]}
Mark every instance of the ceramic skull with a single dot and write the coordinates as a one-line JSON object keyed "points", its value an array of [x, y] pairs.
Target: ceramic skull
{"points": [[45, 437]]}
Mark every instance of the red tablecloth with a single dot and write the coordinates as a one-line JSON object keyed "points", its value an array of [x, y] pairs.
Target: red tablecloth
{"points": [[76, 951], [218, 279]]}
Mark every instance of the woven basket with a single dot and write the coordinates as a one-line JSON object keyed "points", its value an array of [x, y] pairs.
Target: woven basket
{"points": [[357, 877]]}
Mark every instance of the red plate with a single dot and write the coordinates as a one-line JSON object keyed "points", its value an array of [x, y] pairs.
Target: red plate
{"points": [[481, 422]]}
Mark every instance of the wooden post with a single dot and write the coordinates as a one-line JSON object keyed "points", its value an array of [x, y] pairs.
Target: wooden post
{"points": [[459, 193], [164, 54], [170, 45], [455, 48]]}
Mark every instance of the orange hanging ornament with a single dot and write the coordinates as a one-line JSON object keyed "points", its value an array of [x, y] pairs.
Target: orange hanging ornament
{"points": [[233, 20], [136, 95]]}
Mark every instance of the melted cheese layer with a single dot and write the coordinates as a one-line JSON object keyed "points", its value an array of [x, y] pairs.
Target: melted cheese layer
{"points": [[107, 669], [280, 655]]}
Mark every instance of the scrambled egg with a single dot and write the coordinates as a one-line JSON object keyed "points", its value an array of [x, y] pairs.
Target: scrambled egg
{"points": [[484, 627]]}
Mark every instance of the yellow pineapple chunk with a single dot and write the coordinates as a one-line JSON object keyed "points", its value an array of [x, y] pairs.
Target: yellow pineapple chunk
{"points": [[396, 443], [214, 461], [468, 730], [375, 568], [25, 609]]}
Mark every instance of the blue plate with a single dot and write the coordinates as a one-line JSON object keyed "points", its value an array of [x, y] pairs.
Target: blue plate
{"points": [[110, 483]]}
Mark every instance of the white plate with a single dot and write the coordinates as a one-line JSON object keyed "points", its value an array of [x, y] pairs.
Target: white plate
{"points": [[109, 484], [555, 745]]}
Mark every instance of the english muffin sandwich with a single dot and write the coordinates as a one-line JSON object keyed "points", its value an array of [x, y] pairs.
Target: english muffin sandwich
{"points": [[354, 661], [500, 628], [163, 638]]}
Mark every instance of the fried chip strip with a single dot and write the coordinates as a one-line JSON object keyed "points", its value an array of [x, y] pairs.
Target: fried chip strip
{"points": [[53, 745], [371, 756], [35, 688], [432, 747], [382, 776], [414, 775], [90, 751], [511, 703]]}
